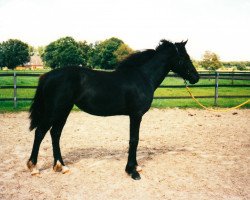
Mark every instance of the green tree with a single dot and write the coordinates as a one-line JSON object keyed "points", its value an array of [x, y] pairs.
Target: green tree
{"points": [[211, 61], [103, 56], [1, 57], [122, 52], [196, 64], [94, 55], [32, 50], [15, 52], [62, 53], [85, 49], [239, 65], [40, 50]]}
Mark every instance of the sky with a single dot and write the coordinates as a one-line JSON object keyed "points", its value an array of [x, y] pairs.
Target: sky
{"points": [[220, 26]]}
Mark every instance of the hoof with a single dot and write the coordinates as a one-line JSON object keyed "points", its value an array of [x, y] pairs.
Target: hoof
{"points": [[35, 172], [30, 165], [65, 170], [57, 167], [136, 176], [33, 169], [133, 172], [138, 168], [60, 168]]}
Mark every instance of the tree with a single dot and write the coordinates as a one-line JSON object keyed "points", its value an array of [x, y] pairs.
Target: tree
{"points": [[1, 57], [211, 61], [85, 52], [239, 65], [40, 50], [32, 50], [122, 52], [196, 64], [15, 52], [62, 53], [94, 55], [103, 55]]}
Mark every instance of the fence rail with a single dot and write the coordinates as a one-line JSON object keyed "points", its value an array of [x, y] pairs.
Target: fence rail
{"points": [[233, 76]]}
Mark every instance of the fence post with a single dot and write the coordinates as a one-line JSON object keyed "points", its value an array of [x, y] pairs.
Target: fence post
{"points": [[216, 94], [232, 77], [15, 91]]}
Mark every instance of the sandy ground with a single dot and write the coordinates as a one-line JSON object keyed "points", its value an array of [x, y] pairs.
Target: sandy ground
{"points": [[185, 154]]}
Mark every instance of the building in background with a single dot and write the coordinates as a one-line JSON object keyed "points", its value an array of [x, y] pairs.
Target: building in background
{"points": [[35, 63]]}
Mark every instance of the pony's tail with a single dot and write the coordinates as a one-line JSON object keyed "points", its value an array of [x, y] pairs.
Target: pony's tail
{"points": [[37, 107]]}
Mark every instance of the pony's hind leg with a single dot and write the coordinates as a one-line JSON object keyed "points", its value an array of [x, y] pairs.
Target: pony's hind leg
{"points": [[39, 135], [55, 133], [55, 136]]}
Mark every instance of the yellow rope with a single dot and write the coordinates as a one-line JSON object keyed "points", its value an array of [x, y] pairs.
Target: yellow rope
{"points": [[211, 109]]}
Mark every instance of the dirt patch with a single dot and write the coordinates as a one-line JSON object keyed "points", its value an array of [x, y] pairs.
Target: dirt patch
{"points": [[185, 154]]}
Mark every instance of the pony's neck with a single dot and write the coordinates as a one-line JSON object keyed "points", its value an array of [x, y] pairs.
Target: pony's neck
{"points": [[156, 70]]}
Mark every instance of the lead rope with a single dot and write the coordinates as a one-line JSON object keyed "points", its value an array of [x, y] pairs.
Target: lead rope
{"points": [[211, 109]]}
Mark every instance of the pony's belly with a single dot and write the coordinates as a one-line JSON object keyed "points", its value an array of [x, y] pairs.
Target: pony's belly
{"points": [[103, 113], [102, 109]]}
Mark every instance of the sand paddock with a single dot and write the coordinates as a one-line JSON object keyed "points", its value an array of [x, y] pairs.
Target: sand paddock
{"points": [[185, 154]]}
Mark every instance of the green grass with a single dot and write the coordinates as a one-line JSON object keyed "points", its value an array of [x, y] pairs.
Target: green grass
{"points": [[189, 103], [21, 106], [9, 106], [169, 103], [209, 102]]}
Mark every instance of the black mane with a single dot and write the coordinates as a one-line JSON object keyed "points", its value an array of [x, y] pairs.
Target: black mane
{"points": [[140, 57], [136, 59], [164, 44]]}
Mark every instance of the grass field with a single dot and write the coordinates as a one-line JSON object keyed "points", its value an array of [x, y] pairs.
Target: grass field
{"points": [[209, 102], [159, 103]]}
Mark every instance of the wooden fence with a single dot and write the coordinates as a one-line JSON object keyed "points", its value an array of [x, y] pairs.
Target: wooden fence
{"points": [[233, 76]]}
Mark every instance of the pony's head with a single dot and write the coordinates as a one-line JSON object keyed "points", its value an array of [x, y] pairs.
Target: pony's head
{"points": [[181, 63]]}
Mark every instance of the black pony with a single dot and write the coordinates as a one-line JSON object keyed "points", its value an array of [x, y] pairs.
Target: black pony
{"points": [[128, 91]]}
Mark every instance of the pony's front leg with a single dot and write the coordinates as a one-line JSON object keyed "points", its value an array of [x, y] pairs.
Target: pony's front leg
{"points": [[132, 166]]}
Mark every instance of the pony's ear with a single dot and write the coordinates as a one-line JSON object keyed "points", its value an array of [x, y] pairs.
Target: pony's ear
{"points": [[185, 42]]}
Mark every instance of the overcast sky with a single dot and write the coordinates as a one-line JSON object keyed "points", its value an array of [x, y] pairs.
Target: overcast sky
{"points": [[221, 26]]}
